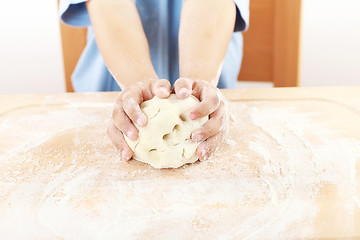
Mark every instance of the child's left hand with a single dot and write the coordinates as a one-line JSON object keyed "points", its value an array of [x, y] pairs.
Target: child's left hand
{"points": [[212, 103]]}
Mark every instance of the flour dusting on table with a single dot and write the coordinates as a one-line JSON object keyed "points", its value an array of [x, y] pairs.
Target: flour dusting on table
{"points": [[61, 178]]}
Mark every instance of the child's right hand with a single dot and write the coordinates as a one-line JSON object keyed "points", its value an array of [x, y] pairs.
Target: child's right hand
{"points": [[127, 111]]}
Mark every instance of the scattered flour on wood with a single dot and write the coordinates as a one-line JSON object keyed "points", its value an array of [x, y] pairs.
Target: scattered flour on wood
{"points": [[66, 180]]}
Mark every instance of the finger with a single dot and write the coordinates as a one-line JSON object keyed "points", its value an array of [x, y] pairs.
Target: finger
{"points": [[161, 88], [123, 123], [213, 126], [118, 140], [183, 87], [198, 86], [131, 100], [210, 101], [208, 147]]}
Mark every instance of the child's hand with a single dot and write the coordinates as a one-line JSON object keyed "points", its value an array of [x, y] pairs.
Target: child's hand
{"points": [[212, 103], [127, 111]]}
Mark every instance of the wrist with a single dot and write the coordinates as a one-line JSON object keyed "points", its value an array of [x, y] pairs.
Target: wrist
{"points": [[212, 79], [132, 75]]}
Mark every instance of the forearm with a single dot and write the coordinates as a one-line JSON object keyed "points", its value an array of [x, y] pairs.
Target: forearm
{"points": [[206, 27], [121, 40]]}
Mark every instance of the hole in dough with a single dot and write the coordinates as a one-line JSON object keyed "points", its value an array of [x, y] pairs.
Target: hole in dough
{"points": [[166, 136], [182, 117], [183, 153], [176, 128], [153, 149]]}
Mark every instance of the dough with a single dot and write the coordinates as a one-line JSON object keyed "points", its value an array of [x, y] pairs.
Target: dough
{"points": [[165, 140]]}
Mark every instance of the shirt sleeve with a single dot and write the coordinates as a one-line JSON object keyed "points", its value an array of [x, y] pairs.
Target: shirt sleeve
{"points": [[242, 15], [74, 13]]}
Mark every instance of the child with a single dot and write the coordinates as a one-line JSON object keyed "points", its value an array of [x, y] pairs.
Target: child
{"points": [[141, 43]]}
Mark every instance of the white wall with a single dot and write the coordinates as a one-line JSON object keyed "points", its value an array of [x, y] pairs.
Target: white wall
{"points": [[30, 47], [330, 39]]}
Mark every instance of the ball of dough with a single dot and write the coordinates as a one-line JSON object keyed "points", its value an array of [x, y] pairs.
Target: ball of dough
{"points": [[165, 140]]}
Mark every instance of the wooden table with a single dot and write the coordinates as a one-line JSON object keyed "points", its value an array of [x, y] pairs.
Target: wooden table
{"points": [[290, 169]]}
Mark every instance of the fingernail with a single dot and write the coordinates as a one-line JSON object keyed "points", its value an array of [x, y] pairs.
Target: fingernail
{"points": [[163, 91], [197, 137], [140, 122], [184, 92], [125, 155], [131, 134], [203, 155], [192, 116]]}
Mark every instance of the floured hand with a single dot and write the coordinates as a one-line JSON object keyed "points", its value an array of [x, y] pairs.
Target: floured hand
{"points": [[212, 103], [127, 111]]}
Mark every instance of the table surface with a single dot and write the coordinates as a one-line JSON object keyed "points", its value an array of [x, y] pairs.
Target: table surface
{"points": [[289, 169]]}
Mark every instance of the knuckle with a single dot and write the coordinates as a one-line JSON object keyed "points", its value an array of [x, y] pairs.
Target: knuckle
{"points": [[126, 95], [204, 129], [121, 126], [129, 105], [200, 132], [198, 112], [131, 113], [211, 131], [201, 82], [132, 91], [215, 100], [115, 112], [138, 85], [115, 128], [119, 98], [119, 120], [156, 84], [203, 112]]}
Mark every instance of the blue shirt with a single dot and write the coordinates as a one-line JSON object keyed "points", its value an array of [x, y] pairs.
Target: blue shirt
{"points": [[160, 19]]}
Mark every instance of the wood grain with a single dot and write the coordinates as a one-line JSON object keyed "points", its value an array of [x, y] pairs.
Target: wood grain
{"points": [[258, 55], [286, 43], [271, 45], [73, 43], [289, 168]]}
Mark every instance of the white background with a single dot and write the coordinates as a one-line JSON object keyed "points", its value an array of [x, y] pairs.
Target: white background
{"points": [[330, 43], [30, 47], [31, 58]]}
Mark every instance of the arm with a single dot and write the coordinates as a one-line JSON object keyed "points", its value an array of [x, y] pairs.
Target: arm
{"points": [[206, 28], [121, 40], [123, 45], [205, 31]]}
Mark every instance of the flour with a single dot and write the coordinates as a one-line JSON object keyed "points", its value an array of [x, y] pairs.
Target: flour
{"points": [[267, 181], [229, 142]]}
